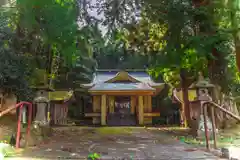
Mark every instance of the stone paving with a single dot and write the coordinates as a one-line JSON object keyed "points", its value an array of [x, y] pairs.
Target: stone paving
{"points": [[137, 144]]}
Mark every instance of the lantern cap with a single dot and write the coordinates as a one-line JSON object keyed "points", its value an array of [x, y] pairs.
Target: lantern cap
{"points": [[40, 99], [202, 84]]}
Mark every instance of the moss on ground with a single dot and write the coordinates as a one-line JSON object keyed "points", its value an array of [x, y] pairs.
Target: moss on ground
{"points": [[227, 137], [113, 130]]}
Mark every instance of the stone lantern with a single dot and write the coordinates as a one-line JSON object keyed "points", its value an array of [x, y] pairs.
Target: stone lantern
{"points": [[203, 86], [42, 104]]}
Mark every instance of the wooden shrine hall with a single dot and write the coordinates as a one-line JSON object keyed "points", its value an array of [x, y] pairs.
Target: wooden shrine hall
{"points": [[122, 97]]}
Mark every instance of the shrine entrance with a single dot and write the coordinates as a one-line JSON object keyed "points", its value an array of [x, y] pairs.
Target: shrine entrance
{"points": [[122, 98], [122, 115]]}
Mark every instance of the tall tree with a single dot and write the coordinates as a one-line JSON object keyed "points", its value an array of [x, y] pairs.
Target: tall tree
{"points": [[182, 37]]}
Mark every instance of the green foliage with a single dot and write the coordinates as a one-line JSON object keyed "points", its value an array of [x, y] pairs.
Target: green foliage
{"points": [[166, 36], [6, 150], [48, 32], [94, 156], [14, 69], [52, 21], [113, 54], [177, 36], [14, 74]]}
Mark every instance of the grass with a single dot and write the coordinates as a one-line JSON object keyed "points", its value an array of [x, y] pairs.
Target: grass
{"points": [[8, 125], [224, 138]]}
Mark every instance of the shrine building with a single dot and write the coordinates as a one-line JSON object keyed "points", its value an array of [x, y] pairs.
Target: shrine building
{"points": [[122, 97]]}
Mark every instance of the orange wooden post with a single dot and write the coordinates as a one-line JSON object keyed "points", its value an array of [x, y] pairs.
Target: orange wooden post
{"points": [[55, 114], [30, 106], [19, 126], [140, 110], [103, 110], [96, 108], [149, 109], [133, 104]]}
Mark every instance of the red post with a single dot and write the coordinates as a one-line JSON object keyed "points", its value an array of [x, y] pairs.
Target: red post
{"points": [[19, 126], [30, 108], [19, 121], [20, 105]]}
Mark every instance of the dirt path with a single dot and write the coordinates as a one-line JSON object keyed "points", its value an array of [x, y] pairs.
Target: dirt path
{"points": [[115, 142]]}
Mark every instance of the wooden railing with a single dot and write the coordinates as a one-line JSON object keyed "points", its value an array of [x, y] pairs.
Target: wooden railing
{"points": [[60, 114], [20, 106], [213, 106]]}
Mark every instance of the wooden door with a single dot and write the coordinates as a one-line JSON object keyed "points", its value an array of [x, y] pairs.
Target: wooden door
{"points": [[122, 115]]}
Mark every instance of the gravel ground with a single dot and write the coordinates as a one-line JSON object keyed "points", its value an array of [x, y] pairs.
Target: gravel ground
{"points": [[113, 143]]}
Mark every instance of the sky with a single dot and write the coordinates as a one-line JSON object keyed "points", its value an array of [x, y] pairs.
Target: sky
{"points": [[94, 13]]}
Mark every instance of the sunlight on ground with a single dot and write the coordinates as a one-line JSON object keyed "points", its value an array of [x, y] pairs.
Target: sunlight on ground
{"points": [[113, 130], [22, 158]]}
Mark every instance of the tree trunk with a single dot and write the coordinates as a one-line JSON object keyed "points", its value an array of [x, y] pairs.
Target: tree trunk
{"points": [[236, 35], [1, 99], [185, 106], [237, 49], [55, 62]]}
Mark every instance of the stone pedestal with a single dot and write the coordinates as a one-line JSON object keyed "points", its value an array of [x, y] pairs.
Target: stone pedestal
{"points": [[42, 105], [231, 153], [41, 114], [201, 128]]}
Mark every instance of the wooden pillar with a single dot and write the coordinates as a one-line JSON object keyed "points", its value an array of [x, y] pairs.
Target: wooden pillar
{"points": [[55, 114], [140, 110], [96, 106], [149, 104], [1, 100], [61, 113], [103, 110], [96, 103], [66, 113], [145, 104], [111, 104], [184, 85], [133, 104], [185, 106], [149, 108]]}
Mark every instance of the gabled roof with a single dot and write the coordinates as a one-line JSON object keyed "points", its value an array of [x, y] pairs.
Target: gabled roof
{"points": [[139, 76], [122, 76], [121, 87]]}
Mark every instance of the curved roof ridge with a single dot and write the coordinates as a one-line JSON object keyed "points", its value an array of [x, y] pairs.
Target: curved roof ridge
{"points": [[122, 75]]}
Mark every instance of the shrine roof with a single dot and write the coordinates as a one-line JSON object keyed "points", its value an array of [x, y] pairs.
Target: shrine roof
{"points": [[139, 76], [121, 87], [102, 76]]}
